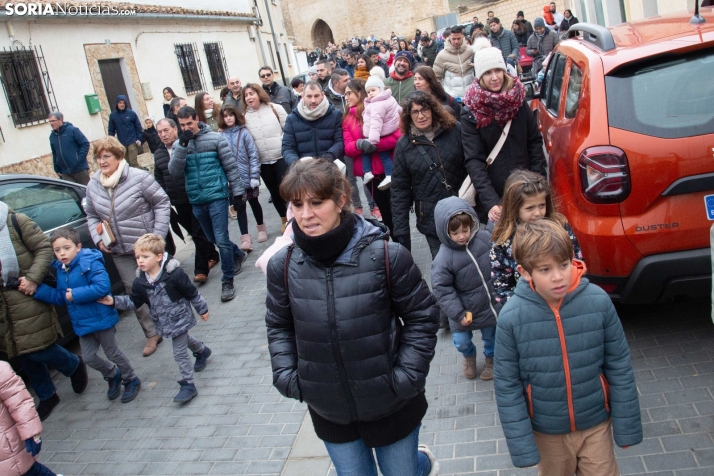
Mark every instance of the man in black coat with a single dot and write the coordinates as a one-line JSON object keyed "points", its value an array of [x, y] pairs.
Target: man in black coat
{"points": [[278, 94], [175, 187]]}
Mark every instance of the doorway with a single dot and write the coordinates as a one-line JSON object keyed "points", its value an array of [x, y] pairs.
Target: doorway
{"points": [[321, 34], [113, 80]]}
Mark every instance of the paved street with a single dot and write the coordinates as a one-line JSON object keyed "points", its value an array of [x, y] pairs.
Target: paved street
{"points": [[239, 424]]}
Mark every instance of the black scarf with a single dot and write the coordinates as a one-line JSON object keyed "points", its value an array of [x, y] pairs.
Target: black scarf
{"points": [[327, 247]]}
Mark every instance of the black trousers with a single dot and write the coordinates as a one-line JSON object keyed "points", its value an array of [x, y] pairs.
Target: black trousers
{"points": [[434, 245], [383, 199], [205, 250], [272, 175]]}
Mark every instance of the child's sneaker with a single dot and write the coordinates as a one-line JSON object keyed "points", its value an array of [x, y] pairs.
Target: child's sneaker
{"points": [[368, 177], [131, 389], [432, 459], [386, 183], [114, 386], [187, 393], [201, 359], [376, 214]]}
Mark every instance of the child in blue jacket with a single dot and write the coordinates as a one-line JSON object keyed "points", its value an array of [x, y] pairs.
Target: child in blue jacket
{"points": [[563, 376], [81, 281]]}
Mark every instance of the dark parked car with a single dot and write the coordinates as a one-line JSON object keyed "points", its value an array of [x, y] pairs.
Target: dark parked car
{"points": [[54, 203]]}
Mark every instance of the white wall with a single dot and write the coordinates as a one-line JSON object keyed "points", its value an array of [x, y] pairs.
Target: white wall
{"points": [[152, 44], [244, 6]]}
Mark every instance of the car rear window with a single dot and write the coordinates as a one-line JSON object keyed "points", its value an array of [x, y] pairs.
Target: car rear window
{"points": [[669, 97]]}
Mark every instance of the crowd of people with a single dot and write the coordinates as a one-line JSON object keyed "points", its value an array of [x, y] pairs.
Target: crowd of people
{"points": [[438, 127]]}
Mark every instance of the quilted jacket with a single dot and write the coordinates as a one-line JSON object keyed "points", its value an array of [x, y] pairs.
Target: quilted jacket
{"points": [[452, 67], [414, 180], [562, 369], [267, 130], [317, 138], [334, 339], [381, 116], [505, 41], [246, 153], [140, 207], [458, 283], [89, 281], [352, 132], [523, 149], [18, 422], [208, 165]]}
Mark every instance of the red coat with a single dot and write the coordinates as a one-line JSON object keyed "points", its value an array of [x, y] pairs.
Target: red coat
{"points": [[352, 132]]}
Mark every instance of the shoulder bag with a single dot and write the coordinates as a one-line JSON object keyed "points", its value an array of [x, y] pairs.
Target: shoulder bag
{"points": [[467, 191], [276, 116], [437, 169]]}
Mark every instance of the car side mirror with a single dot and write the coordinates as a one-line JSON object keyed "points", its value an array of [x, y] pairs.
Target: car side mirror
{"points": [[531, 92]]}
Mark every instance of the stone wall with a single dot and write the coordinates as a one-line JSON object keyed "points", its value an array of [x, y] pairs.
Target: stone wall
{"points": [[506, 10]]}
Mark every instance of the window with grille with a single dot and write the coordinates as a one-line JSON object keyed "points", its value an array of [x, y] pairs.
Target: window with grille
{"points": [[216, 64], [190, 64], [27, 85]]}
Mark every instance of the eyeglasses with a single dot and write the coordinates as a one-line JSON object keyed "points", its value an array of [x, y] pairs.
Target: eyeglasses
{"points": [[420, 112], [267, 75], [103, 157]]}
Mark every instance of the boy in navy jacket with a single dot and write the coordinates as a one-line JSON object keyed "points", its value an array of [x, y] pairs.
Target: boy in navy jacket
{"points": [[81, 281], [563, 376]]}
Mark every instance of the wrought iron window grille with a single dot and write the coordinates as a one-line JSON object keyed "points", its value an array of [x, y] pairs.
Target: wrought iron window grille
{"points": [[27, 85], [190, 65], [217, 66]]}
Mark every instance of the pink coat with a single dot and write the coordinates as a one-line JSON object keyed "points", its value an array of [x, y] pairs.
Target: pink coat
{"points": [[18, 422], [352, 132], [381, 116]]}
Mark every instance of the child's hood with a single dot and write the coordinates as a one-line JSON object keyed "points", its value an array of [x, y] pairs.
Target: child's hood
{"points": [[526, 290], [447, 208], [168, 264], [383, 96], [84, 259]]}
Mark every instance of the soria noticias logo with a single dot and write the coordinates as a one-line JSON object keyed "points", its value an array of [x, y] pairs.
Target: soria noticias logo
{"points": [[64, 8]]}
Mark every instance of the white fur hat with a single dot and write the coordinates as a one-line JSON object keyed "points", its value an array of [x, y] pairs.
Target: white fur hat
{"points": [[377, 71], [374, 81], [488, 59]]}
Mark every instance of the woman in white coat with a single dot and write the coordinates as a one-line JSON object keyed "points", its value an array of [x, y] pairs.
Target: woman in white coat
{"points": [[265, 123]]}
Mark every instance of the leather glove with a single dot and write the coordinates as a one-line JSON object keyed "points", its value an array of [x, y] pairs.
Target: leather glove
{"points": [[185, 137], [254, 183], [366, 146], [33, 446], [405, 241]]}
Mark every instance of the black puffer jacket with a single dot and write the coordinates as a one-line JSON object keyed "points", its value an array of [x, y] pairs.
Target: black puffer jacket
{"points": [[414, 182], [334, 340], [523, 149], [173, 185]]}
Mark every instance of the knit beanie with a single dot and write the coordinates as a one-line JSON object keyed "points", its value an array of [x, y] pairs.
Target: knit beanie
{"points": [[481, 43], [312, 70], [538, 22], [406, 55], [374, 82], [488, 59], [520, 14]]}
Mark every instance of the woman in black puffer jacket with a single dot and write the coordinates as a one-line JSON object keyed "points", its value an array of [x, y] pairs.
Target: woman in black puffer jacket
{"points": [[428, 166], [335, 340]]}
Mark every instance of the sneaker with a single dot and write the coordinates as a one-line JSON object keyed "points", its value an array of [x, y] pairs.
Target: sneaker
{"points": [[201, 359], [228, 291], [358, 211], [44, 409], [187, 393], [368, 178], [131, 389], [114, 386], [386, 183], [239, 262], [376, 214], [432, 459], [79, 378], [232, 212]]}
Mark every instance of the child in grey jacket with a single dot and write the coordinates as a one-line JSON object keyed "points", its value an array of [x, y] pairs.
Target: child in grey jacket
{"points": [[163, 286], [461, 281]]}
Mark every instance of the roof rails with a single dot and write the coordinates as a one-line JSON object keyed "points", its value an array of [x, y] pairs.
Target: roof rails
{"points": [[595, 34]]}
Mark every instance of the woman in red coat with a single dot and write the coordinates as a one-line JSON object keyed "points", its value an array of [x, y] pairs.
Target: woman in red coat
{"points": [[356, 145]]}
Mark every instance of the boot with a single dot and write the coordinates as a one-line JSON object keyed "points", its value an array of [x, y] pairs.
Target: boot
{"points": [[187, 393], [151, 344], [44, 409], [262, 233], [432, 459], [487, 373], [285, 224], [201, 359], [79, 378], [114, 386], [131, 389], [468, 367], [246, 243]]}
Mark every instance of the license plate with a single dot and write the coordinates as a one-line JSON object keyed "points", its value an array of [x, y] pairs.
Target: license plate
{"points": [[709, 205]]}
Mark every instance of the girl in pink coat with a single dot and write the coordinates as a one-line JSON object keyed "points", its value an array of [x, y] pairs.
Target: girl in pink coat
{"points": [[381, 118], [21, 427]]}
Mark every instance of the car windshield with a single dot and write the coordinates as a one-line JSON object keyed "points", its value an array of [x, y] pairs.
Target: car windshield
{"points": [[669, 97]]}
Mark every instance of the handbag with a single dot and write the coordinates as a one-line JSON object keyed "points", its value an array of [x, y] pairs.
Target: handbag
{"points": [[434, 168], [277, 117], [104, 229], [467, 191]]}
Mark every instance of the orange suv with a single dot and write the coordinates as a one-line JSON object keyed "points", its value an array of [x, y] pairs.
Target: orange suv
{"points": [[627, 117]]}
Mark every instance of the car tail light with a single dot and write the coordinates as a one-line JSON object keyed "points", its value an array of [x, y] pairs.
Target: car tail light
{"points": [[604, 174]]}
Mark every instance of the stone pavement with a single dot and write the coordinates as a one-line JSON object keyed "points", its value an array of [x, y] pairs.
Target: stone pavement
{"points": [[239, 424]]}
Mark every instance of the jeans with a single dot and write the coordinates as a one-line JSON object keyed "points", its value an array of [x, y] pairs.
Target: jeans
{"points": [[398, 459], [462, 342], [38, 469], [204, 249], [385, 156], [38, 375], [213, 218]]}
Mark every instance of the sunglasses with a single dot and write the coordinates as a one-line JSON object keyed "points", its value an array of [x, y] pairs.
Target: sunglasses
{"points": [[266, 75]]}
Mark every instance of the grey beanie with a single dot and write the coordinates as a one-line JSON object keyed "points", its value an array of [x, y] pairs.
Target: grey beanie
{"points": [[538, 22]]}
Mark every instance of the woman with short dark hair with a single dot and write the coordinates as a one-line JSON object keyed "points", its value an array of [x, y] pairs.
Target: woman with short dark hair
{"points": [[364, 322], [363, 67], [298, 85]]}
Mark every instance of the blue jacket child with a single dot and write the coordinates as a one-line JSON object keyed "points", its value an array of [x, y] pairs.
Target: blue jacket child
{"points": [[89, 281]]}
